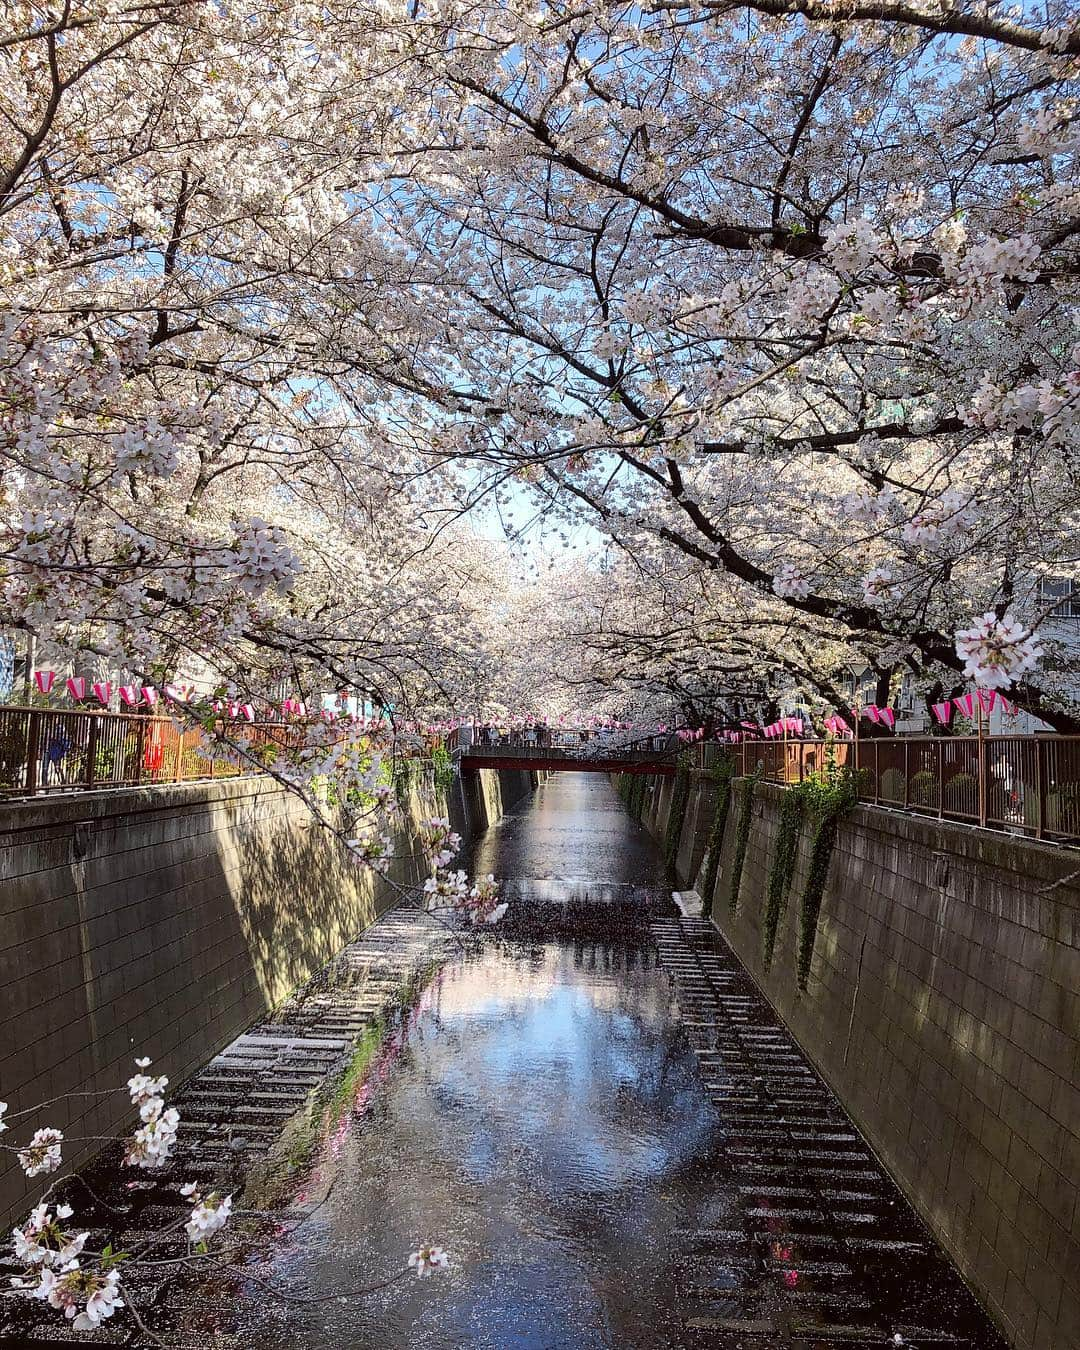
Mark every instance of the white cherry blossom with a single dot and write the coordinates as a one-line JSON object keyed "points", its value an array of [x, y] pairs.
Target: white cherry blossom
{"points": [[997, 652], [427, 1259], [43, 1153]]}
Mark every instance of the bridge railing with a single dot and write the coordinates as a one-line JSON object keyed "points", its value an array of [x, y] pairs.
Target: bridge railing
{"points": [[562, 742], [509, 748], [1025, 784]]}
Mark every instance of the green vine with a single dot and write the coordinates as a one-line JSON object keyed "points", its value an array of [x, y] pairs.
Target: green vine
{"points": [[826, 797], [782, 867], [723, 772], [404, 777], [443, 770], [680, 797], [744, 789]]}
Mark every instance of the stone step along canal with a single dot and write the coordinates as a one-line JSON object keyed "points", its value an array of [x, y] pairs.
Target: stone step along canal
{"points": [[592, 1109]]}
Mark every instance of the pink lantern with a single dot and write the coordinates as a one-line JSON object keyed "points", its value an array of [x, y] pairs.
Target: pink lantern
{"points": [[102, 692], [129, 695], [44, 679], [150, 695], [247, 712], [965, 704], [888, 716], [987, 698], [942, 711], [872, 711], [76, 686]]}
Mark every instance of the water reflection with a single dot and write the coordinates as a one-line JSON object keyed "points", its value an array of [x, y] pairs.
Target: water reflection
{"points": [[544, 1120]]}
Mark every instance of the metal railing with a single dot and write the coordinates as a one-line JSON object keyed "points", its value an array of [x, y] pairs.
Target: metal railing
{"points": [[1025, 784], [52, 750], [562, 744], [563, 741]]}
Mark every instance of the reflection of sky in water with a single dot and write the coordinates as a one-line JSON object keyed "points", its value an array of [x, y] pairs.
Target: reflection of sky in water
{"points": [[584, 1087], [545, 1122]]}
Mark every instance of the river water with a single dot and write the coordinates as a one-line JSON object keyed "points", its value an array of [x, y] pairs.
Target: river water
{"points": [[543, 1116], [545, 1121]]}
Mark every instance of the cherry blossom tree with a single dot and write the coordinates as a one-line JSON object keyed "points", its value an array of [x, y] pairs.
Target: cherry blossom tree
{"points": [[209, 404], [789, 290], [787, 295]]}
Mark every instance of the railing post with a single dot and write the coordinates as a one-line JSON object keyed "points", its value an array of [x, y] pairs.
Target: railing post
{"points": [[907, 772], [1040, 789], [877, 772], [180, 758], [91, 749], [33, 751], [983, 763], [940, 779], [140, 762]]}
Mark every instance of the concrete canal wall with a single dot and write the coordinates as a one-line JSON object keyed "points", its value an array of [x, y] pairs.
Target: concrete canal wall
{"points": [[943, 1007], [163, 922]]}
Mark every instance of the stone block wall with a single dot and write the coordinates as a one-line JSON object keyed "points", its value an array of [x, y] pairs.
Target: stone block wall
{"points": [[479, 797], [163, 922], [943, 1007]]}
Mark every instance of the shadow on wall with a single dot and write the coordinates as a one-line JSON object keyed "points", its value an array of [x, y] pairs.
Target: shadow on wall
{"points": [[297, 896], [164, 922]]}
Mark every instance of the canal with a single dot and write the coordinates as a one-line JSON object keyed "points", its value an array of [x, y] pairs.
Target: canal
{"points": [[605, 1126]]}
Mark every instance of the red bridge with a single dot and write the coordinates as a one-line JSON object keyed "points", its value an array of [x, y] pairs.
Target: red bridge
{"points": [[589, 757]]}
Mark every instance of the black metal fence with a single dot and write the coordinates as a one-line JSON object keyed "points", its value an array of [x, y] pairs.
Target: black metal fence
{"points": [[1028, 784]]}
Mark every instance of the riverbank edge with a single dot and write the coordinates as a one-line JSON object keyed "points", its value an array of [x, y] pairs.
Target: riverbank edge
{"points": [[942, 1006]]}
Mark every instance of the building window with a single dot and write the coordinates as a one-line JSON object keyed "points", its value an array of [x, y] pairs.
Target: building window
{"points": [[1063, 594]]}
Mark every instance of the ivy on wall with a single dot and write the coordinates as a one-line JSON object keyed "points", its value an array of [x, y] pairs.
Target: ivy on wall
{"points": [[826, 797], [680, 797], [444, 770], [744, 791], [404, 778], [781, 868], [723, 773]]}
